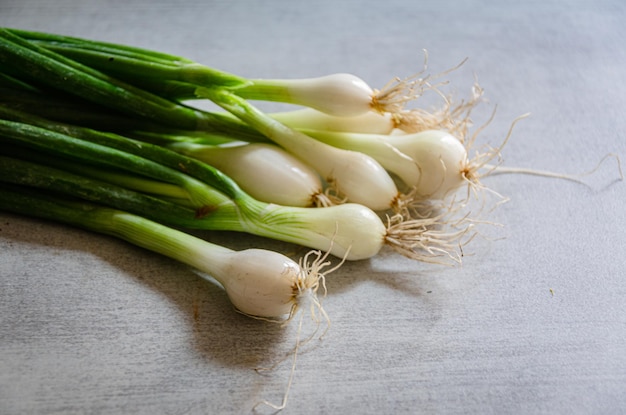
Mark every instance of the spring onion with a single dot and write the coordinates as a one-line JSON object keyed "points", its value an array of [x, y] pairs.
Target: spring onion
{"points": [[108, 138], [38, 65], [285, 180], [259, 282], [114, 72], [348, 230], [357, 176], [353, 174], [337, 94], [433, 163]]}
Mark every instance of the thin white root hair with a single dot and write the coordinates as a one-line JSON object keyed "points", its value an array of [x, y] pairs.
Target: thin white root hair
{"points": [[292, 372], [322, 200], [471, 171], [577, 178], [456, 119], [409, 206], [435, 238], [313, 276], [470, 140], [393, 97], [329, 197], [437, 232]]}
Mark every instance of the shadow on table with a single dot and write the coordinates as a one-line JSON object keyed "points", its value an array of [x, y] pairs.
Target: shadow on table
{"points": [[219, 333]]}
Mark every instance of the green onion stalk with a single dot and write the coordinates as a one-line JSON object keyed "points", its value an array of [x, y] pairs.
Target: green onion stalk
{"points": [[27, 58], [349, 230], [287, 180], [177, 78], [356, 175], [260, 283], [40, 67], [350, 172]]}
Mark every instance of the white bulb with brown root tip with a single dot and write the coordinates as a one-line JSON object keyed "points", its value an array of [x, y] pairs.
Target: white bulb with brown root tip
{"points": [[441, 160], [285, 179], [262, 283]]}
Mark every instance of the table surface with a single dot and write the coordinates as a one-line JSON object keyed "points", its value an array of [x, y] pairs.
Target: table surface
{"points": [[532, 322]]}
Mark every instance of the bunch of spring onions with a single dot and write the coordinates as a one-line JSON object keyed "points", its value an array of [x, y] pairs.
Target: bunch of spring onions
{"points": [[107, 137]]}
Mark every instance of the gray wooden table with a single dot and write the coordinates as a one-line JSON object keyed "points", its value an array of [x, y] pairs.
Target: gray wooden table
{"points": [[531, 323]]}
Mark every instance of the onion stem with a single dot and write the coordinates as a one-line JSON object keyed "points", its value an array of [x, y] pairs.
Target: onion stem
{"points": [[260, 283], [357, 176]]}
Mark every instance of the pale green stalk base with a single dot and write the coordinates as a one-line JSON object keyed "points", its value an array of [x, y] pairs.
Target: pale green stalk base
{"points": [[129, 227]]}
